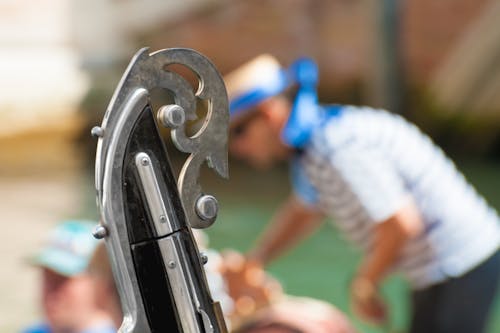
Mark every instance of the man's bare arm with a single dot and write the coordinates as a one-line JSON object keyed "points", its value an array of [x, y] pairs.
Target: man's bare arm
{"points": [[389, 238], [293, 222]]}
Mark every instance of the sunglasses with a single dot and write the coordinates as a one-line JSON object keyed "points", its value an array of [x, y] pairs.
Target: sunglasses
{"points": [[241, 126]]}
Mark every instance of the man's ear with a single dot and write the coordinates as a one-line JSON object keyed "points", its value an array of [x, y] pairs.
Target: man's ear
{"points": [[276, 111]]}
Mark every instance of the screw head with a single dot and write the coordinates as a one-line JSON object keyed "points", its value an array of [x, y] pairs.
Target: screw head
{"points": [[100, 232], [207, 207], [204, 258], [145, 161], [97, 131], [171, 115], [171, 264]]}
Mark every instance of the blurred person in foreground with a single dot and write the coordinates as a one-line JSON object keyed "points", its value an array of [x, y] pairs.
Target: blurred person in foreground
{"points": [[105, 292], [252, 300], [261, 306], [387, 187], [68, 300], [297, 315]]}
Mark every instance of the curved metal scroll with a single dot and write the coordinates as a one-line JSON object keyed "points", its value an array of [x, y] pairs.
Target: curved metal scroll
{"points": [[129, 102], [148, 71]]}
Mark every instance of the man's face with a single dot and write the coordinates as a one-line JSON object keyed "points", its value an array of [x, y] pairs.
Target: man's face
{"points": [[66, 301], [257, 137], [254, 141]]}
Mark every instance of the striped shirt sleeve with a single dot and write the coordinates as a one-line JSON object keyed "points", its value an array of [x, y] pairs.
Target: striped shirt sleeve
{"points": [[301, 184], [373, 180]]}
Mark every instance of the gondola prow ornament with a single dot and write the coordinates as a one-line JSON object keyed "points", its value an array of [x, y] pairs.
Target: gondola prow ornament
{"points": [[146, 216]]}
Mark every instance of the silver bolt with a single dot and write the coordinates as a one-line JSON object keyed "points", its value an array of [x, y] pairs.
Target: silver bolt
{"points": [[97, 131], [171, 264], [145, 161], [171, 115], [204, 258], [163, 218], [207, 207], [100, 232]]}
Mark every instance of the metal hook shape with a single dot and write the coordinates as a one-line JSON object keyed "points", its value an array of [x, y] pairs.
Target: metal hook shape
{"points": [[209, 143]]}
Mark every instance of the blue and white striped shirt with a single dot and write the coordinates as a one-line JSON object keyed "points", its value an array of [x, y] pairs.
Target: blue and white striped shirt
{"points": [[361, 166]]}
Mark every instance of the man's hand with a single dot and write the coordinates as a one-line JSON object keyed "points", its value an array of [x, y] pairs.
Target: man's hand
{"points": [[248, 284], [292, 223], [367, 303]]}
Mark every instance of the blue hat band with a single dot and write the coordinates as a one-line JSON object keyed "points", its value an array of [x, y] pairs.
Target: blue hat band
{"points": [[253, 97], [305, 113]]}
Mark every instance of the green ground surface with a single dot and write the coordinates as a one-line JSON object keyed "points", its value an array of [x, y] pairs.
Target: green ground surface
{"points": [[321, 266]]}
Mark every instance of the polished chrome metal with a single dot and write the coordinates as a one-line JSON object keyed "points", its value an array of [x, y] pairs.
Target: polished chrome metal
{"points": [[154, 199], [110, 153], [99, 232], [203, 258], [172, 116], [207, 207], [209, 328], [145, 73], [178, 275], [97, 131]]}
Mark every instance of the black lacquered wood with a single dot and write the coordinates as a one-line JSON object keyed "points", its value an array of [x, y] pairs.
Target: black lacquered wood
{"points": [[155, 288], [145, 138]]}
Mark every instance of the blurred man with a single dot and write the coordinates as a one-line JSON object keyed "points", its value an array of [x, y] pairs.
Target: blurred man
{"points": [[298, 315], [253, 301], [67, 295], [388, 187], [261, 306], [105, 292]]}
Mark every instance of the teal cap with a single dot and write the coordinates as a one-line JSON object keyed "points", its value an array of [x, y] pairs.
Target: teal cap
{"points": [[68, 248]]}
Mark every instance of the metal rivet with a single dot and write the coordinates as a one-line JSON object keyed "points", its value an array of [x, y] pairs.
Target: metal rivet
{"points": [[204, 258], [207, 207], [145, 161], [171, 115], [97, 131], [171, 264], [100, 232], [163, 218]]}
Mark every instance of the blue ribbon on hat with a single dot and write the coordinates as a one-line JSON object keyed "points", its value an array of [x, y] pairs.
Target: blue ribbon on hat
{"points": [[306, 114], [266, 89]]}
